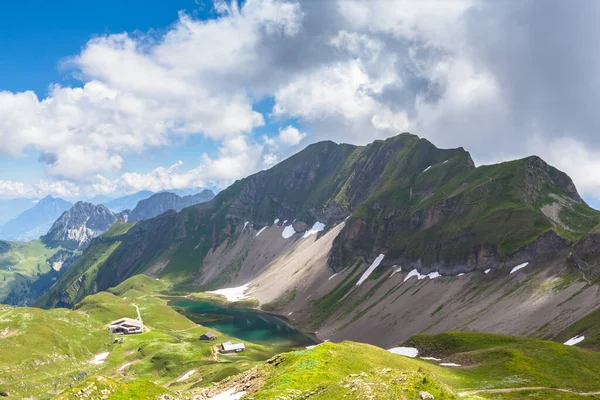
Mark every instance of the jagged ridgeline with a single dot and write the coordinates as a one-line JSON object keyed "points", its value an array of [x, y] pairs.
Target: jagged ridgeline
{"points": [[421, 206]]}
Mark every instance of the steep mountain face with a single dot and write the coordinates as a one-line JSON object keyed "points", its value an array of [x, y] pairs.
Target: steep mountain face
{"points": [[345, 237], [158, 203], [80, 224], [127, 202], [36, 221]]}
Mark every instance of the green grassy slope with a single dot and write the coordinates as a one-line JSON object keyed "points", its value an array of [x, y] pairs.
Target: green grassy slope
{"points": [[495, 361], [489, 364], [21, 263], [43, 352], [589, 327]]}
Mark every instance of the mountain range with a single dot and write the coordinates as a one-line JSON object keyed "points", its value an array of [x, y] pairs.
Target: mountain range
{"points": [[343, 237], [161, 202], [127, 202], [34, 222]]}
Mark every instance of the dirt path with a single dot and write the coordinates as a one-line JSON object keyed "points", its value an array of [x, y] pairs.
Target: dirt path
{"points": [[214, 352], [139, 316], [525, 389]]}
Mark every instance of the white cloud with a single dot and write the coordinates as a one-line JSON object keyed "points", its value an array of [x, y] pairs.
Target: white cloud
{"points": [[488, 76], [142, 91]]}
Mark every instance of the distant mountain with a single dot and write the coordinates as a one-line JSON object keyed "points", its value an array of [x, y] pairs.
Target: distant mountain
{"points": [[36, 221], [127, 202], [186, 191], [99, 199], [80, 224], [158, 203], [11, 208]]}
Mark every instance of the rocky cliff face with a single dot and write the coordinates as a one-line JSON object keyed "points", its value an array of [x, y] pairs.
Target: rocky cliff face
{"points": [[79, 225], [424, 208], [159, 203]]}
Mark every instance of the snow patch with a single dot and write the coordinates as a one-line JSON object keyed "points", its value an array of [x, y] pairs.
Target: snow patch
{"points": [[426, 169], [233, 294], [331, 277], [445, 162], [229, 395], [100, 358], [122, 367], [412, 273], [288, 232], [285, 222], [518, 267], [370, 270], [461, 274], [405, 351], [399, 269], [431, 358], [276, 221], [487, 271], [245, 225], [261, 231], [450, 365], [574, 340], [316, 228], [186, 375], [433, 275], [291, 312]]}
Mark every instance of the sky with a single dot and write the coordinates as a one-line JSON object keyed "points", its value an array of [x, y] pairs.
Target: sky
{"points": [[112, 97]]}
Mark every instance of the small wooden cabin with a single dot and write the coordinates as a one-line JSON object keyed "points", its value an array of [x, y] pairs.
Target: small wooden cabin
{"points": [[208, 336]]}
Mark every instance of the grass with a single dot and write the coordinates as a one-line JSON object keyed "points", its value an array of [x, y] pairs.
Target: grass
{"points": [[21, 263], [52, 348], [496, 361], [347, 370], [102, 387], [588, 326]]}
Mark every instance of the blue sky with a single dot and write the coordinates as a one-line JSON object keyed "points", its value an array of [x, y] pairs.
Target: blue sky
{"points": [[133, 94]]}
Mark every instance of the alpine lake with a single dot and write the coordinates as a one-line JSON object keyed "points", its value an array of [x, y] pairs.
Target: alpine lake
{"points": [[247, 324]]}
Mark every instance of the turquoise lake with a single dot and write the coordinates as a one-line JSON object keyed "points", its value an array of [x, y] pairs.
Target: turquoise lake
{"points": [[246, 324]]}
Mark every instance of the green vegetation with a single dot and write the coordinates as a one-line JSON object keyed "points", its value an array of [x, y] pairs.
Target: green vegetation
{"points": [[495, 361], [117, 229], [21, 264], [104, 388], [588, 326], [53, 348], [80, 277], [345, 370]]}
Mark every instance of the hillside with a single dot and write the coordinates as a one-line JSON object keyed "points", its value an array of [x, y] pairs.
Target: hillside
{"points": [[337, 222], [22, 264], [47, 352], [34, 222]]}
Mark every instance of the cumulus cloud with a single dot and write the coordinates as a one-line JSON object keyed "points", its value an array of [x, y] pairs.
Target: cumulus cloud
{"points": [[141, 92], [502, 79]]}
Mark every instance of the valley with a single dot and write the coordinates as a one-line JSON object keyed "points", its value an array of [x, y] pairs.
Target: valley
{"points": [[318, 266]]}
